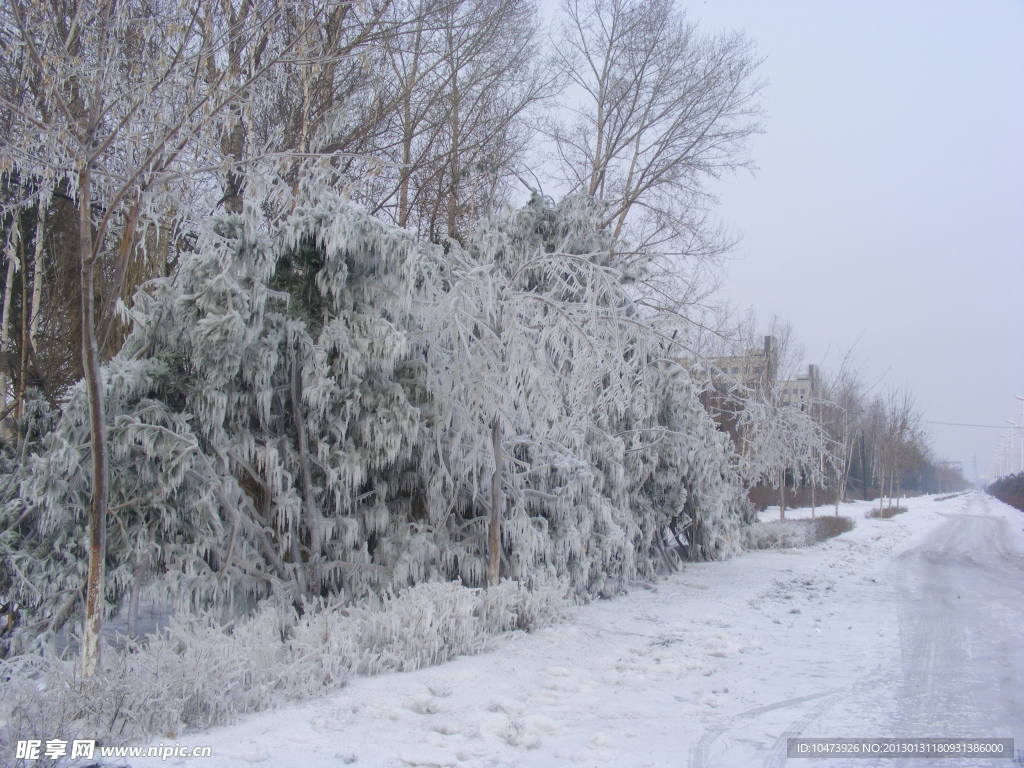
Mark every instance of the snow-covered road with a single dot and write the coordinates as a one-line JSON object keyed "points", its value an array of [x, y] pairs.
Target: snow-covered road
{"points": [[907, 627], [962, 628], [960, 603]]}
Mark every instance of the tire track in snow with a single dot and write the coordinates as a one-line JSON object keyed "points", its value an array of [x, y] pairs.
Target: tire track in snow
{"points": [[777, 755], [699, 752]]}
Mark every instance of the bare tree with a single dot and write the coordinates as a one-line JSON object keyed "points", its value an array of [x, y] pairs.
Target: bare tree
{"points": [[463, 80], [842, 411], [663, 108]]}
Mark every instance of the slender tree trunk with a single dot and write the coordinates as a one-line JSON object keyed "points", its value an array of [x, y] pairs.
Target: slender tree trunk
{"points": [[408, 134], [310, 512], [863, 466], [23, 362], [454, 171], [138, 574], [842, 475], [37, 275], [497, 506], [98, 436], [782, 497], [5, 320]]}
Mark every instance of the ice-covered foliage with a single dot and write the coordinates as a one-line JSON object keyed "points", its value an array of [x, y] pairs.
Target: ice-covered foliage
{"points": [[784, 534], [690, 455], [314, 409], [258, 429], [548, 381], [203, 671], [780, 441], [25, 557], [526, 341]]}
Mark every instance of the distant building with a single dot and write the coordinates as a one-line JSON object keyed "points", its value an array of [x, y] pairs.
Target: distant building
{"points": [[730, 376], [803, 390], [756, 368]]}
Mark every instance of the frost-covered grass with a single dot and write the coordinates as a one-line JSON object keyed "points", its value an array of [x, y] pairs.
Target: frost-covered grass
{"points": [[200, 672], [786, 534]]}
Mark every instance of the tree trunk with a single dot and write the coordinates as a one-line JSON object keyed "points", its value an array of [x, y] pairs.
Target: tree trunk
{"points": [[138, 574], [782, 498], [497, 506], [23, 362], [310, 513], [842, 476], [37, 276], [408, 134], [863, 466], [5, 320], [98, 437]]}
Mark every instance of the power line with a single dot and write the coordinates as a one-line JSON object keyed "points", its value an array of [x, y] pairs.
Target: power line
{"points": [[960, 424]]}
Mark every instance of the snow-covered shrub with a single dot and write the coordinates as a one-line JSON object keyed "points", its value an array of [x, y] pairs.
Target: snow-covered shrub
{"points": [[886, 512], [513, 605], [786, 534], [424, 625], [200, 671], [778, 534]]}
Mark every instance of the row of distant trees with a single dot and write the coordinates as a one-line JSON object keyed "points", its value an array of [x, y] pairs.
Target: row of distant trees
{"points": [[1009, 489], [845, 441]]}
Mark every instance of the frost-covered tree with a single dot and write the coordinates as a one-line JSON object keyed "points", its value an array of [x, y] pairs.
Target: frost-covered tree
{"points": [[553, 402], [776, 444], [120, 107], [842, 412], [525, 339], [781, 446]]}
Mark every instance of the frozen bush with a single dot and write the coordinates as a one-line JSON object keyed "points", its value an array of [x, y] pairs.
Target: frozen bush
{"points": [[785, 534], [201, 672]]}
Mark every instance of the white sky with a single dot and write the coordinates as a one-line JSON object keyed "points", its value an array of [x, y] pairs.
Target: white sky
{"points": [[888, 208]]}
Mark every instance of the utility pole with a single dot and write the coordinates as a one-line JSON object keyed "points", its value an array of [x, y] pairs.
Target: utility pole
{"points": [[1017, 429], [1021, 427]]}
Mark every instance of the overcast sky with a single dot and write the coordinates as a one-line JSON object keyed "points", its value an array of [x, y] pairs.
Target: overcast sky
{"points": [[888, 208]]}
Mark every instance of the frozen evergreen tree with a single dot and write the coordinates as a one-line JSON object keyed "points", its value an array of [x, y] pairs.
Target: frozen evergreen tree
{"points": [[257, 428]]}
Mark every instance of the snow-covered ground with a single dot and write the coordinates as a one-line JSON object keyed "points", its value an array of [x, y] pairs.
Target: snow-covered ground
{"points": [[907, 627]]}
